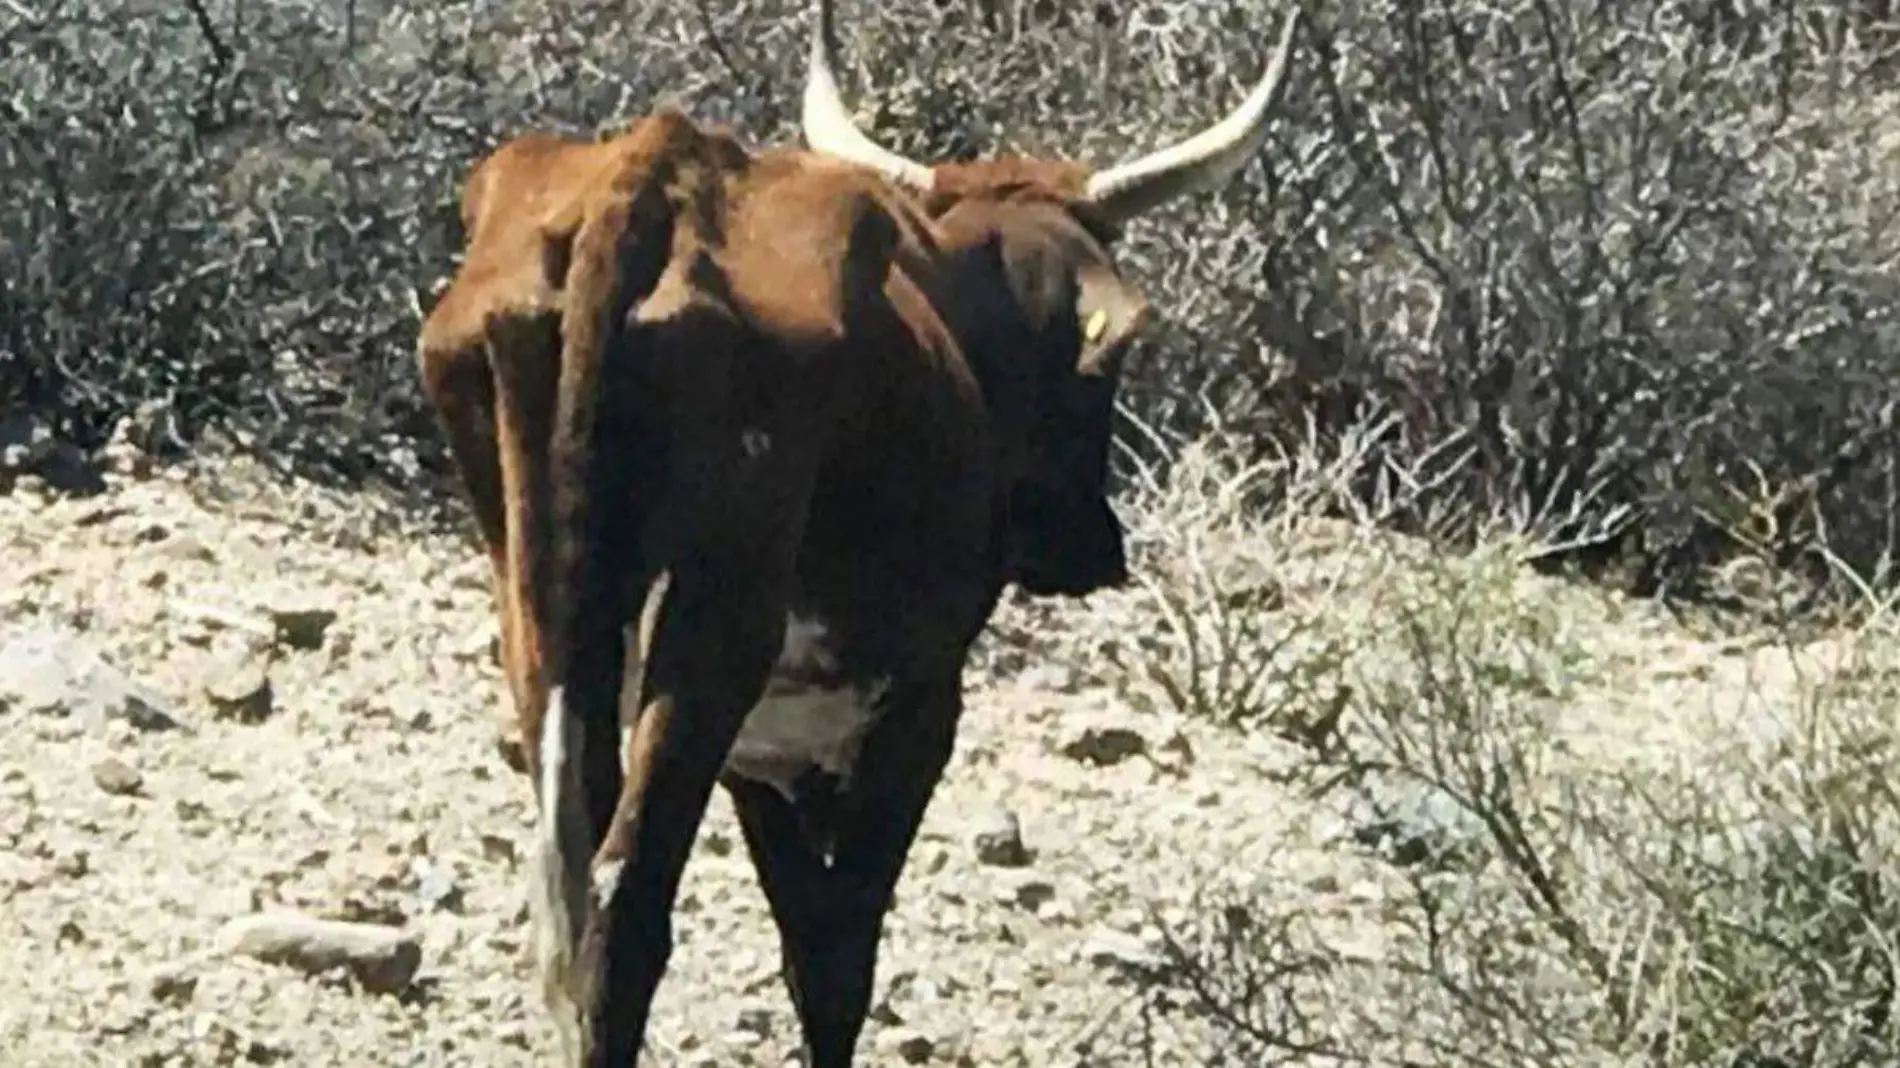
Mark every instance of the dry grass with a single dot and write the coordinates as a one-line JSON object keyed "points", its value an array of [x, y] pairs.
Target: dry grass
{"points": [[1605, 838]]}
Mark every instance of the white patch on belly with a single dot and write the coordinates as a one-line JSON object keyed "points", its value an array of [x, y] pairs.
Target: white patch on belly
{"points": [[796, 726]]}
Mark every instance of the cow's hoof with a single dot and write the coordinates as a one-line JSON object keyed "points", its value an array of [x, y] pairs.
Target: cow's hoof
{"points": [[512, 753]]}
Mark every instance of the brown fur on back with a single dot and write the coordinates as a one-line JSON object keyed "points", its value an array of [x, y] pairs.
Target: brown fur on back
{"points": [[807, 242], [581, 234], [563, 234], [662, 185]]}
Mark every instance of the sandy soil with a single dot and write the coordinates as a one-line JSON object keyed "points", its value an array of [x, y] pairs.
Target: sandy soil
{"points": [[369, 789]]}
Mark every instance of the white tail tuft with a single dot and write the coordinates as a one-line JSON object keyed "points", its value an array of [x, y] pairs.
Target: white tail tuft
{"points": [[557, 907]]}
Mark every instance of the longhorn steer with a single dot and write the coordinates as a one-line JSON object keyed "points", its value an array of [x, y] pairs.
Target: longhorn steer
{"points": [[755, 439]]}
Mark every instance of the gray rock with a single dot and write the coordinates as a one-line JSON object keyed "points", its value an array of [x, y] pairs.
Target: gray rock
{"points": [[185, 547], [514, 1034], [436, 887], [1030, 893], [907, 1045], [1036, 895], [1108, 948], [481, 644], [45, 670], [1412, 824], [239, 687], [999, 839], [72, 864], [500, 848], [382, 959], [302, 628], [118, 778], [1103, 745], [169, 986], [754, 1020]]}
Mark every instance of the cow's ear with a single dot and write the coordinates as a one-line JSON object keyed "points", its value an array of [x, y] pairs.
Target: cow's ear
{"points": [[1108, 311]]}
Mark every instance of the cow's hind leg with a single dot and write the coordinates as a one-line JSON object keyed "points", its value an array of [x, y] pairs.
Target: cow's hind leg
{"points": [[724, 540], [830, 916], [564, 727], [459, 383], [713, 635]]}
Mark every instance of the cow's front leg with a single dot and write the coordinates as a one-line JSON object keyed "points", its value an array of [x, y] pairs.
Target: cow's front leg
{"points": [[830, 915], [711, 636]]}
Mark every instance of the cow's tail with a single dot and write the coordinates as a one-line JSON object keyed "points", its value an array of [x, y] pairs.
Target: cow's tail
{"points": [[616, 256]]}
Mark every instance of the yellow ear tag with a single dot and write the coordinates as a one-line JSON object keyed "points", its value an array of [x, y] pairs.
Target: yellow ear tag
{"points": [[1098, 323]]}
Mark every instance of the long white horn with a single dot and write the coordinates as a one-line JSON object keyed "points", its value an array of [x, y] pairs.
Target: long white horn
{"points": [[827, 122], [1204, 160]]}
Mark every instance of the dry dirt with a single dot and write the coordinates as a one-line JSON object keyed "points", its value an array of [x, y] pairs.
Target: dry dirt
{"points": [[369, 789]]}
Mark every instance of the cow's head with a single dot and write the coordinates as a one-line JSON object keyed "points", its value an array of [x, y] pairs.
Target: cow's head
{"points": [[1040, 233]]}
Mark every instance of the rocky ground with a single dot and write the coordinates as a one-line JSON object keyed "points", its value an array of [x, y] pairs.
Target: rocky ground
{"points": [[222, 700], [232, 700]]}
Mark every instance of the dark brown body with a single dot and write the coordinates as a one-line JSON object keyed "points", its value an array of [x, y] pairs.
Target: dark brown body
{"points": [[783, 425], [755, 440]]}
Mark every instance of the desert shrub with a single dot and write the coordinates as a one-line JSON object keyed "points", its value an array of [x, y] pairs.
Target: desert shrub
{"points": [[1601, 839], [237, 213], [1612, 271]]}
